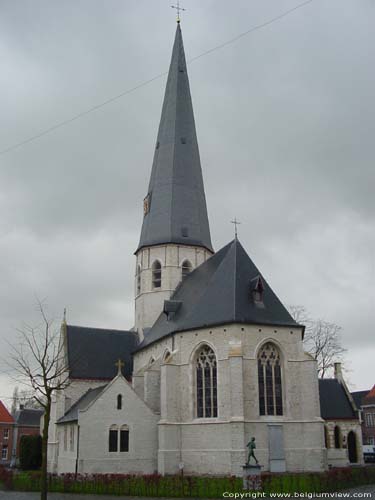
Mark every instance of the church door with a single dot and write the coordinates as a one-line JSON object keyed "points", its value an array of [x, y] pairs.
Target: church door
{"points": [[352, 447]]}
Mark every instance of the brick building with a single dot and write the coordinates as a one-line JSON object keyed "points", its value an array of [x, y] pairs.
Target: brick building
{"points": [[6, 434], [26, 423], [365, 401]]}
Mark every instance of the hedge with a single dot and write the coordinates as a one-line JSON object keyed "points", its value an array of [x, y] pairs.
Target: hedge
{"points": [[30, 452], [194, 487]]}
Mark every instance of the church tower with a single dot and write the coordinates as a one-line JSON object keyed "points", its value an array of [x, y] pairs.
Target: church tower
{"points": [[175, 236]]}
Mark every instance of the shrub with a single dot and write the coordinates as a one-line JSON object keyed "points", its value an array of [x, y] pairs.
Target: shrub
{"points": [[30, 452], [154, 485]]}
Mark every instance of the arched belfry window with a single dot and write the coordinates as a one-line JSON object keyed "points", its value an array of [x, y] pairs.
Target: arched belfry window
{"points": [[269, 380], [138, 279], [186, 268], [206, 383], [156, 274]]}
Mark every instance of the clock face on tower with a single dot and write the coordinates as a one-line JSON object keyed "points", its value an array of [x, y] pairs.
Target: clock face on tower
{"points": [[146, 205]]}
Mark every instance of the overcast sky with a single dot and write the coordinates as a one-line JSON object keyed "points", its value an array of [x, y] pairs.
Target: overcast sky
{"points": [[285, 123]]}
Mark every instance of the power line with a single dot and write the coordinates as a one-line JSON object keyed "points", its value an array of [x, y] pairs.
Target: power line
{"points": [[147, 82]]}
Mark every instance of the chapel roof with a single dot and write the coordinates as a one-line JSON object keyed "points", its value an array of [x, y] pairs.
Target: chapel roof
{"points": [[218, 292], [81, 404], [29, 417], [5, 416], [334, 402], [93, 352], [176, 209]]}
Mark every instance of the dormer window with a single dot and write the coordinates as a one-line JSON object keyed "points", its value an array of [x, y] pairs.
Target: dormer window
{"points": [[257, 290], [156, 275], [186, 268]]}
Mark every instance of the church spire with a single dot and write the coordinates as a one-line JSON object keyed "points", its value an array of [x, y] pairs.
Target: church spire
{"points": [[175, 207]]}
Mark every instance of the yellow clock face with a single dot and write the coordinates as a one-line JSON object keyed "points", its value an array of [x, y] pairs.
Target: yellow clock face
{"points": [[146, 205]]}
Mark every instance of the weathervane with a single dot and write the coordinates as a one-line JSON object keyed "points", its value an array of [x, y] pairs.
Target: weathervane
{"points": [[236, 223], [179, 9]]}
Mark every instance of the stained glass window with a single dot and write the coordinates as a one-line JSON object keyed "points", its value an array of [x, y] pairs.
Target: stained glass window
{"points": [[206, 380], [269, 381]]}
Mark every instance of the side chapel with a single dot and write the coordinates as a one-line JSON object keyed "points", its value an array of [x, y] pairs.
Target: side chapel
{"points": [[214, 357]]}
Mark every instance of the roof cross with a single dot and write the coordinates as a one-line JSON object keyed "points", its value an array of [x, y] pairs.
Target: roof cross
{"points": [[120, 365], [236, 223], [178, 8]]}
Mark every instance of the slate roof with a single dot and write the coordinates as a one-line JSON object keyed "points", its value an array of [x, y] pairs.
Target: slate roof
{"points": [[5, 416], [29, 417], [93, 352], [358, 397], [219, 292], [177, 203], [72, 414], [334, 403]]}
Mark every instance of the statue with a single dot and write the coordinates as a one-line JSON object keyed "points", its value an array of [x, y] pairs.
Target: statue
{"points": [[251, 445]]}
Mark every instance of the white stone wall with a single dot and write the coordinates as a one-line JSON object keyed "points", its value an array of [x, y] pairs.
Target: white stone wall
{"points": [[67, 447], [149, 303], [338, 457], [98, 418], [61, 403], [218, 445]]}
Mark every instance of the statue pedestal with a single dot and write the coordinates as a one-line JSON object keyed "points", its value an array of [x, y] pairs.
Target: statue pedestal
{"points": [[252, 477]]}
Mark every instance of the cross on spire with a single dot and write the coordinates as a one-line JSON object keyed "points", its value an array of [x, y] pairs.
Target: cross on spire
{"points": [[179, 9], [236, 223], [120, 365]]}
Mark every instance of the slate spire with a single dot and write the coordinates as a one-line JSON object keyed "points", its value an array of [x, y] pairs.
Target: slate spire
{"points": [[175, 206]]}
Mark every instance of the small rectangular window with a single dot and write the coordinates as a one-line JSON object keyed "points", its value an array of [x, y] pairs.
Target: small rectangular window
{"points": [[6, 434], [4, 453], [113, 436], [124, 440]]}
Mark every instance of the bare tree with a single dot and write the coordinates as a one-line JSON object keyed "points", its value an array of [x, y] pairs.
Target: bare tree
{"points": [[23, 399], [322, 340], [38, 360]]}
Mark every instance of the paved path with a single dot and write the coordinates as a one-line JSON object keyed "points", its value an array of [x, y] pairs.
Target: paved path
{"points": [[15, 495]]}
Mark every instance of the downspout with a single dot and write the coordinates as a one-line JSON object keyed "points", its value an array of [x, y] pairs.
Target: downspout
{"points": [[77, 457]]}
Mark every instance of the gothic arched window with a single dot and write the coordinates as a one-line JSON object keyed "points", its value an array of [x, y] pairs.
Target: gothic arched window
{"points": [[138, 279], [269, 380], [186, 268], [156, 274], [206, 382], [119, 402]]}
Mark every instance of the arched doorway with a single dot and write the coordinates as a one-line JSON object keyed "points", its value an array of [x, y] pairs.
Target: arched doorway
{"points": [[352, 447]]}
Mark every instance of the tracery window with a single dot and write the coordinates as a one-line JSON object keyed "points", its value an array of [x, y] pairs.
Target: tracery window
{"points": [[138, 278], [269, 380], [156, 274], [206, 383], [186, 268]]}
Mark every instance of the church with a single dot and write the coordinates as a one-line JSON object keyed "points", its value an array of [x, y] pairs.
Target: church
{"points": [[213, 359]]}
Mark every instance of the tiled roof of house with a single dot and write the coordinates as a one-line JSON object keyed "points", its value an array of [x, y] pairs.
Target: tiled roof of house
{"points": [[29, 417], [5, 416]]}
